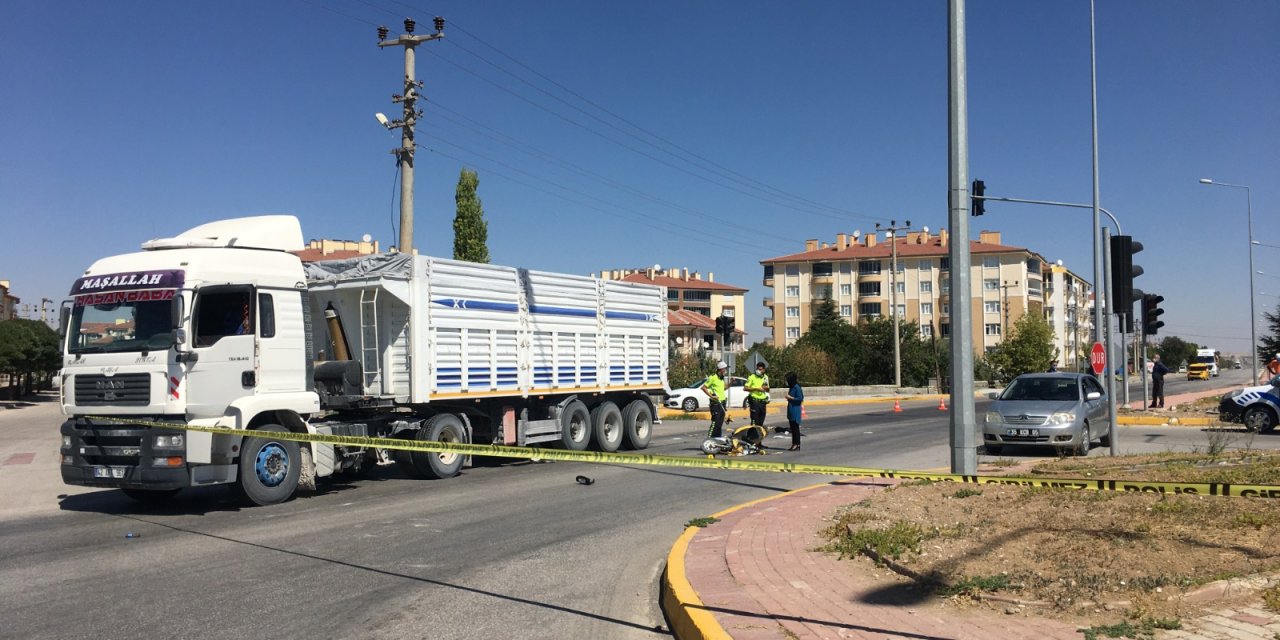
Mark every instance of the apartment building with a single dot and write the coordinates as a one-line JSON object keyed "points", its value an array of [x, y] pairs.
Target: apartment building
{"points": [[1068, 300], [693, 303], [319, 250], [857, 275], [8, 303]]}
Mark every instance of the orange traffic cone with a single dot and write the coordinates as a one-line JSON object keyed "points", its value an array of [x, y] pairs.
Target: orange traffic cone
{"points": [[897, 408], [942, 403], [804, 413]]}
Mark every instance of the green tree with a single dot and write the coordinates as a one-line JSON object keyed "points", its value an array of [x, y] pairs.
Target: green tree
{"points": [[28, 351], [832, 335], [470, 231], [685, 370], [1027, 348], [1269, 346], [811, 365], [1175, 351]]}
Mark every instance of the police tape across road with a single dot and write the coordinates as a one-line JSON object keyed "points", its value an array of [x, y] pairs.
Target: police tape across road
{"points": [[728, 464]]}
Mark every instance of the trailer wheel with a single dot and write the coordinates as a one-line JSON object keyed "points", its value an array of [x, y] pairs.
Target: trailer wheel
{"points": [[637, 420], [606, 421], [575, 426], [444, 427], [269, 467]]}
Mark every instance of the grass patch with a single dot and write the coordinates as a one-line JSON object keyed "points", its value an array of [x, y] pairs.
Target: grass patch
{"points": [[966, 493], [976, 584], [1144, 629], [1271, 598], [701, 522], [894, 541]]}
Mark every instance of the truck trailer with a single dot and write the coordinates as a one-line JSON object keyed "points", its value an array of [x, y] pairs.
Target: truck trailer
{"points": [[224, 326]]}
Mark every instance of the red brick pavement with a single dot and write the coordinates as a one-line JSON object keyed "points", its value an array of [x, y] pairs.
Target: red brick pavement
{"points": [[755, 570]]}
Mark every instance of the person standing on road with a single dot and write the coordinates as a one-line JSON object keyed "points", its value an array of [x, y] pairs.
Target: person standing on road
{"points": [[795, 408], [758, 388], [1158, 370], [714, 387]]}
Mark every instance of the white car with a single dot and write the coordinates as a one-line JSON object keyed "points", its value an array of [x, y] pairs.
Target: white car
{"points": [[691, 398]]}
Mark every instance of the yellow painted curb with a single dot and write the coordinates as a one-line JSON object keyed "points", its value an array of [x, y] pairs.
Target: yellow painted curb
{"points": [[1161, 421], [689, 617]]}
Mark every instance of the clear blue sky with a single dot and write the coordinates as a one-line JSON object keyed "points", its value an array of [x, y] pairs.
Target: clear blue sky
{"points": [[123, 121]]}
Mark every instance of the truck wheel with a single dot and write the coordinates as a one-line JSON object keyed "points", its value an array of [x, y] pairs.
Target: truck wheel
{"points": [[151, 496], [444, 427], [637, 421], [575, 426], [268, 467], [606, 421], [1259, 419]]}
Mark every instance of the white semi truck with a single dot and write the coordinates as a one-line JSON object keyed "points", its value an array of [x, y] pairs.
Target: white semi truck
{"points": [[223, 326]]}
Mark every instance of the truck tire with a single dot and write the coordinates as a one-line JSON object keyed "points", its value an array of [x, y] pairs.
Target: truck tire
{"points": [[637, 422], [606, 423], [269, 467], [1260, 419], [444, 427], [575, 426]]}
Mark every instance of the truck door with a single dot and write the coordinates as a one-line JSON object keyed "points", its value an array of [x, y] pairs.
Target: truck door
{"points": [[225, 343]]}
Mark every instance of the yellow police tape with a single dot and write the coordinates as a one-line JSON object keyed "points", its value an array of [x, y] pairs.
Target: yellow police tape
{"points": [[598, 457]]}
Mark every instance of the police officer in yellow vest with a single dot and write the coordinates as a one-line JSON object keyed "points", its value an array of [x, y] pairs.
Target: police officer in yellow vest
{"points": [[758, 388], [714, 387]]}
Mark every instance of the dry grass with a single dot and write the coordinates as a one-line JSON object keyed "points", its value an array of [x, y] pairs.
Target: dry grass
{"points": [[1100, 555]]}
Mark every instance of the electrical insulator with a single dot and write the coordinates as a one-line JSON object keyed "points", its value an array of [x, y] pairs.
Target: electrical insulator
{"points": [[408, 25], [439, 24], [382, 32]]}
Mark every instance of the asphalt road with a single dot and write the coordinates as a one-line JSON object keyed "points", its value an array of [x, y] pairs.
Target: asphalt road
{"points": [[518, 550]]}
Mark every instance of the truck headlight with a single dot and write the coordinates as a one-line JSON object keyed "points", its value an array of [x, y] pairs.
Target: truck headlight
{"points": [[66, 441], [994, 417], [1062, 417], [169, 441]]}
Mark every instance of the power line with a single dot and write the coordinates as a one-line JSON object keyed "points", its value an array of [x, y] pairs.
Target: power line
{"points": [[332, 10]]}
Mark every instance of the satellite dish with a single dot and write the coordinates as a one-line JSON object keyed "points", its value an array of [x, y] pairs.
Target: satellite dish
{"points": [[856, 233], [657, 267], [925, 229], [1059, 262], [366, 238]]}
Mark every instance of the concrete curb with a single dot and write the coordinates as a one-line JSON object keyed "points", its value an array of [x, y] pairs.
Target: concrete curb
{"points": [[687, 616]]}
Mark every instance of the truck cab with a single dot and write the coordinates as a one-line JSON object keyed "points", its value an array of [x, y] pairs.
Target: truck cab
{"points": [[205, 328], [1209, 358]]}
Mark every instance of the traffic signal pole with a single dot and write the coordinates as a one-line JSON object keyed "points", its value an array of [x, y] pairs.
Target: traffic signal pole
{"points": [[964, 424], [1110, 342]]}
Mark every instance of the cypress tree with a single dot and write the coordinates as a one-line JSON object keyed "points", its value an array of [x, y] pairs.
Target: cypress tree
{"points": [[470, 231]]}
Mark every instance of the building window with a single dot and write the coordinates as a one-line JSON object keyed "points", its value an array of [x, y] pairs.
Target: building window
{"points": [[869, 309], [673, 295], [901, 288], [846, 310], [926, 331], [846, 289], [868, 267], [726, 312], [946, 309], [700, 296], [926, 308], [706, 311], [869, 289], [821, 269], [944, 329], [944, 264], [900, 267], [991, 262], [991, 284], [926, 286], [793, 333], [793, 269], [1033, 265], [902, 311], [846, 267], [926, 266], [991, 307], [793, 292], [821, 291], [992, 329], [793, 312], [945, 287], [768, 271]]}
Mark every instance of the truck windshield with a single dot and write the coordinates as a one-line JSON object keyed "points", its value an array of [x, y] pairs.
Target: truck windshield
{"points": [[121, 326], [1205, 359]]}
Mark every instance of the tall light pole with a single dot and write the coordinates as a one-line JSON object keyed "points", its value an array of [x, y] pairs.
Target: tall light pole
{"points": [[964, 423], [1253, 314], [891, 234], [404, 154], [1099, 287]]}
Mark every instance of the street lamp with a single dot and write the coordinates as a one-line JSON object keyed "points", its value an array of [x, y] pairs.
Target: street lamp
{"points": [[1253, 316], [891, 235]]}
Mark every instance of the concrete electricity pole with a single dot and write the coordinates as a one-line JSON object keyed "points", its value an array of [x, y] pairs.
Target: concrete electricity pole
{"points": [[964, 424], [892, 232], [404, 154]]}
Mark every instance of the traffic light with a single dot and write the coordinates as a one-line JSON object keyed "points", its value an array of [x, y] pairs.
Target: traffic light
{"points": [[720, 325], [724, 326], [1151, 313], [977, 205], [1123, 271]]}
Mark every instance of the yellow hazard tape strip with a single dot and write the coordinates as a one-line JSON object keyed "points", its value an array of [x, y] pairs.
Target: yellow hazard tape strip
{"points": [[726, 464]]}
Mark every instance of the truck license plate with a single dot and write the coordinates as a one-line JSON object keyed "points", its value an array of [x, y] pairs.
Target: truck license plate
{"points": [[108, 472]]}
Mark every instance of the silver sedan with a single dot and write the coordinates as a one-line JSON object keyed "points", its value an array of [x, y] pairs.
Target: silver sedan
{"points": [[1066, 411]]}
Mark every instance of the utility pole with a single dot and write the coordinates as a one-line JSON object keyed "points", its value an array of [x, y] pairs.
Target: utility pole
{"points": [[404, 154], [1004, 306], [964, 423], [892, 231], [45, 303]]}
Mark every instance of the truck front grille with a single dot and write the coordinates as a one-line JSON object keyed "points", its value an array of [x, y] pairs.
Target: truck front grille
{"points": [[124, 390]]}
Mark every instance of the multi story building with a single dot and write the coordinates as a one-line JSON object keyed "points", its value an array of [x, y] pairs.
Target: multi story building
{"points": [[318, 250], [8, 303], [1068, 301], [856, 275], [693, 303]]}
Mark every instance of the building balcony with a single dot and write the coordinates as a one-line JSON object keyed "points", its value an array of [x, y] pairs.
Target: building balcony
{"points": [[768, 323], [823, 279], [768, 282], [767, 302]]}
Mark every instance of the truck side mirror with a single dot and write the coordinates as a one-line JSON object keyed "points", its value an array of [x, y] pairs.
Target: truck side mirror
{"points": [[175, 321], [64, 321]]}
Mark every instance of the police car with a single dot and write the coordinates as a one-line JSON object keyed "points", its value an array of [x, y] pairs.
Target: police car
{"points": [[1258, 408]]}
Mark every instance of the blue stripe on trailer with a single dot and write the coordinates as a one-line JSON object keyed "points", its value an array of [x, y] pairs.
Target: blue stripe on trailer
{"points": [[631, 315], [561, 311], [478, 305]]}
